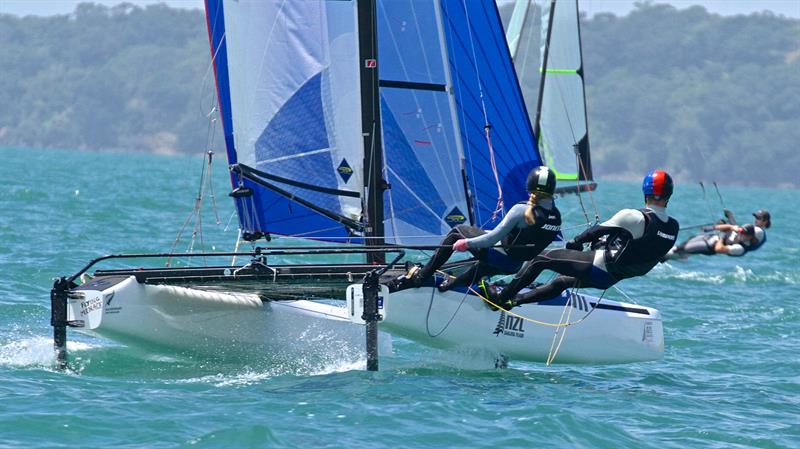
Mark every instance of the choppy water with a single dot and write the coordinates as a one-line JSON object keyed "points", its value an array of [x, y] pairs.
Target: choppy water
{"points": [[730, 377]]}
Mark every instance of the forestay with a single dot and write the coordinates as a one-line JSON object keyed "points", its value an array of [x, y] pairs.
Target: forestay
{"points": [[289, 93]]}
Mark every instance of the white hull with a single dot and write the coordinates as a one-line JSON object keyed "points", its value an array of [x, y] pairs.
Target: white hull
{"points": [[239, 324], [217, 324], [616, 333]]}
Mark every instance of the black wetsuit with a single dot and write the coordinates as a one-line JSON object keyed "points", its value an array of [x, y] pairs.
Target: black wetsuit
{"points": [[632, 246], [512, 232]]}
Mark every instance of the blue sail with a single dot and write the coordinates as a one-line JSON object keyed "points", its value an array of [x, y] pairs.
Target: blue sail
{"points": [[422, 154], [484, 80], [289, 94], [290, 109]]}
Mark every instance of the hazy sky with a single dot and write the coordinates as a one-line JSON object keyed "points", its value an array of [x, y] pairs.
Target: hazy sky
{"points": [[790, 8]]}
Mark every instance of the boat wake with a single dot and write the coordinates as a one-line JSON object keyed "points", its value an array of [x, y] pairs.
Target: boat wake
{"points": [[255, 375], [36, 352]]}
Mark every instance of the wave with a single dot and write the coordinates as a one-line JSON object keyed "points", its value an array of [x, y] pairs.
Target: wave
{"points": [[738, 274]]}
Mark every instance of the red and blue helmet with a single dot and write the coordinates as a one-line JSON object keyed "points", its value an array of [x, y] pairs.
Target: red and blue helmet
{"points": [[658, 184]]}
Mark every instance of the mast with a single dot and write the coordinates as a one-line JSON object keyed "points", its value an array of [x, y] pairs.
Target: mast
{"points": [[538, 118], [374, 184], [585, 170]]}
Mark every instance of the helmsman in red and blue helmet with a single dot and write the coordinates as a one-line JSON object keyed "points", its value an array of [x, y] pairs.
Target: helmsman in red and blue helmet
{"points": [[629, 244]]}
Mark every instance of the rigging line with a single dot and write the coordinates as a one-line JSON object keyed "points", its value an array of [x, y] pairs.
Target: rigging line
{"points": [[364, 204], [206, 78], [582, 179], [236, 246], [392, 219], [721, 201], [198, 223], [430, 306], [228, 224], [554, 348], [486, 125], [210, 134], [705, 200], [194, 213], [586, 182], [211, 189]]}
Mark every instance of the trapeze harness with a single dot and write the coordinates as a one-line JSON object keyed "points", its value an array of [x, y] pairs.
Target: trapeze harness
{"points": [[536, 237], [626, 257]]}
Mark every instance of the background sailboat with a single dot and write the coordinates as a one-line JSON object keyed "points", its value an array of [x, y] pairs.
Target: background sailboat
{"points": [[545, 41]]}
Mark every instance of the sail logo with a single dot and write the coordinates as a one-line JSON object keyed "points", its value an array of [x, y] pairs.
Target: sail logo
{"points": [[345, 171], [509, 325], [455, 217]]}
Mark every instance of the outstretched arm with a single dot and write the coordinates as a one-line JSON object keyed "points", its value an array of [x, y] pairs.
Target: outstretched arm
{"points": [[514, 216], [593, 233], [630, 220]]}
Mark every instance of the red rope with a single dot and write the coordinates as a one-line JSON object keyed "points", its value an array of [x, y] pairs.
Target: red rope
{"points": [[499, 207]]}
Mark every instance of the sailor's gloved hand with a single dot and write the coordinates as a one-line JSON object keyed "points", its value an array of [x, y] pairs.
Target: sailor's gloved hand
{"points": [[708, 228], [461, 245], [572, 244]]}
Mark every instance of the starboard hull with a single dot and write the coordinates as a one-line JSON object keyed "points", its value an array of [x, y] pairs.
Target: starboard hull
{"points": [[613, 332]]}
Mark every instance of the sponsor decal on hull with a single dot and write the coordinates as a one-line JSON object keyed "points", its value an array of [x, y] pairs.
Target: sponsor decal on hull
{"points": [[90, 305], [109, 309], [509, 325]]}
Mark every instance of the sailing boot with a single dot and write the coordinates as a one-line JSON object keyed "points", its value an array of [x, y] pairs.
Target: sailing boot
{"points": [[495, 302], [411, 278], [414, 275], [446, 284]]}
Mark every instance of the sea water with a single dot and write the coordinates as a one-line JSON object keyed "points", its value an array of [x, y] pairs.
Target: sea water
{"points": [[730, 376]]}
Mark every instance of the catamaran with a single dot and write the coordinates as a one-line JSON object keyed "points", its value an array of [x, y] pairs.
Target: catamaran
{"points": [[371, 128]]}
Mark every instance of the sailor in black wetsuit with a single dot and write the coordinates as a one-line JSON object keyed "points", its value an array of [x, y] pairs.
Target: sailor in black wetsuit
{"points": [[533, 223], [725, 238], [629, 244]]}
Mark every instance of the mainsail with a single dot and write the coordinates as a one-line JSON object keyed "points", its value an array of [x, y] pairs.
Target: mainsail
{"points": [[551, 74], [456, 140]]}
